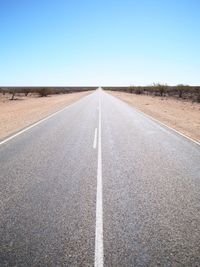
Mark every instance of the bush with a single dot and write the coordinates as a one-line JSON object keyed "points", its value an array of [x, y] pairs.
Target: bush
{"points": [[139, 90], [130, 89], [26, 91], [197, 90], [160, 88], [181, 89], [44, 91], [12, 91]]}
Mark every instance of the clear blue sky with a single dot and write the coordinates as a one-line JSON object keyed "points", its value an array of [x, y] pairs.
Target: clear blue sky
{"points": [[99, 42]]}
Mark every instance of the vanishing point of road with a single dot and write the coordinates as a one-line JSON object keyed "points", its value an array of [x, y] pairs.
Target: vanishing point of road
{"points": [[99, 184]]}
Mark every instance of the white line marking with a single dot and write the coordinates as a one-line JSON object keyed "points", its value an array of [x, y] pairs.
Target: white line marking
{"points": [[163, 124], [99, 203], [95, 139], [159, 122], [38, 122]]}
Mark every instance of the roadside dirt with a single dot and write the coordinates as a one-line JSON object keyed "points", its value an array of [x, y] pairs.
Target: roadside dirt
{"points": [[181, 115], [19, 113]]}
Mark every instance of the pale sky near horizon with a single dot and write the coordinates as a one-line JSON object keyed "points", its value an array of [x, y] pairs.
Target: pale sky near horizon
{"points": [[93, 42]]}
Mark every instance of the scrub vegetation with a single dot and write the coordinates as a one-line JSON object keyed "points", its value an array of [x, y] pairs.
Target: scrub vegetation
{"points": [[16, 92], [180, 91]]}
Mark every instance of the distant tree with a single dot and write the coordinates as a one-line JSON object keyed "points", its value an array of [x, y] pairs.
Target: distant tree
{"points": [[181, 89], [131, 89], [12, 91], [197, 90], [44, 91], [138, 90], [26, 91], [160, 88]]}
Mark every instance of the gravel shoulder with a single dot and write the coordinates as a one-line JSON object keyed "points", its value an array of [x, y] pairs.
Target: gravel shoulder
{"points": [[182, 115], [18, 114]]}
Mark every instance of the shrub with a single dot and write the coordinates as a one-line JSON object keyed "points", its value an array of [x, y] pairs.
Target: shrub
{"points": [[44, 91], [160, 88], [139, 90], [197, 90], [181, 89], [26, 91], [131, 89], [12, 91]]}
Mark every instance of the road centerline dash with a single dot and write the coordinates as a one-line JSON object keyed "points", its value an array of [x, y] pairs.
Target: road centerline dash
{"points": [[99, 202], [95, 139]]}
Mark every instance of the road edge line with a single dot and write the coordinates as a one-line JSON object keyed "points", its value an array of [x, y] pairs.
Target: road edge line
{"points": [[165, 125], [38, 122], [159, 122]]}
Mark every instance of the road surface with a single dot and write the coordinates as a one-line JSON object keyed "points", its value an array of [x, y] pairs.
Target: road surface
{"points": [[99, 184]]}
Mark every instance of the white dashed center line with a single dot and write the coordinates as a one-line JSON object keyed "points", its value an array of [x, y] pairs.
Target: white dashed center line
{"points": [[99, 203], [95, 139]]}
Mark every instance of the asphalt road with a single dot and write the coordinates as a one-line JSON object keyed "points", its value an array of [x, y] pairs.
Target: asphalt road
{"points": [[130, 197]]}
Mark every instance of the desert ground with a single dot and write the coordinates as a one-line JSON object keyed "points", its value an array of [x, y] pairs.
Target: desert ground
{"points": [[23, 111], [181, 115]]}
